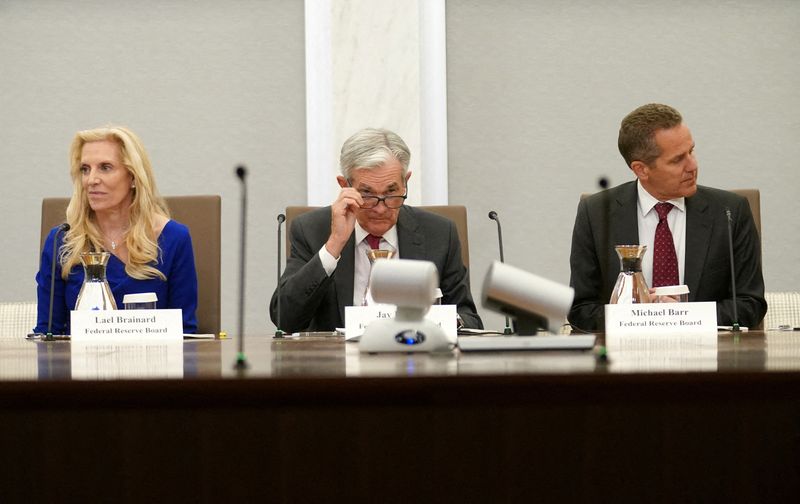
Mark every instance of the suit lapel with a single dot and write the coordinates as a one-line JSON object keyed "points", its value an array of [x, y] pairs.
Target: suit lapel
{"points": [[624, 222], [343, 277], [698, 234], [410, 240]]}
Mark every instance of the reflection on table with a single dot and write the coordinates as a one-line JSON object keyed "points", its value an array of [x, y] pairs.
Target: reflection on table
{"points": [[126, 360], [328, 355], [64, 360], [782, 350], [659, 352]]}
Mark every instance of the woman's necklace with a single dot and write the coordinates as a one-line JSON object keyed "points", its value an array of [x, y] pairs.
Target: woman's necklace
{"points": [[118, 242]]}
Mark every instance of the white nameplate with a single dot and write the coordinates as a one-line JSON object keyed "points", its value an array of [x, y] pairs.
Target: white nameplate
{"points": [[662, 318], [356, 318], [130, 325]]}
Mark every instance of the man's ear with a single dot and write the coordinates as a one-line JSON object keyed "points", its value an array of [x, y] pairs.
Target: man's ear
{"points": [[342, 181], [408, 176], [641, 170]]}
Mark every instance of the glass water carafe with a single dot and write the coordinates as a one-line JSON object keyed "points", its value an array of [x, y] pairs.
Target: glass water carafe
{"points": [[95, 292], [374, 255], [631, 286]]}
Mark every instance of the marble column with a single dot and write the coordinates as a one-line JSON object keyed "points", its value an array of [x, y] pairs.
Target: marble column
{"points": [[376, 63]]}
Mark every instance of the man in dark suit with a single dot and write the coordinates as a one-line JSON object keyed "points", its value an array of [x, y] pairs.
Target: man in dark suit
{"points": [[659, 149], [328, 268]]}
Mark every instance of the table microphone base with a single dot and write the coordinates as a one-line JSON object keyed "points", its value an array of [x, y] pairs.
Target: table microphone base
{"points": [[392, 335]]}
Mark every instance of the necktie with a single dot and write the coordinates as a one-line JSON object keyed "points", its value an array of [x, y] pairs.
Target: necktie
{"points": [[362, 282], [665, 262], [374, 241]]}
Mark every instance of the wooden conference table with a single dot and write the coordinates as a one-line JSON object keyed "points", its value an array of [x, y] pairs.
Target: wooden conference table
{"points": [[662, 420]]}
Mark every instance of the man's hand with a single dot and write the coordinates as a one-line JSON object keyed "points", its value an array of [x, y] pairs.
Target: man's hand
{"points": [[663, 299], [343, 219]]}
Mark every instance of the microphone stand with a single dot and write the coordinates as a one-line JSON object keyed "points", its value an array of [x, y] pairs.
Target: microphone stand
{"points": [[735, 326], [49, 334], [606, 251], [241, 360], [278, 331], [493, 215]]}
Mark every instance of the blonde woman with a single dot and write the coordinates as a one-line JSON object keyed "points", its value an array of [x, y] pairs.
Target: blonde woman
{"points": [[115, 207]]}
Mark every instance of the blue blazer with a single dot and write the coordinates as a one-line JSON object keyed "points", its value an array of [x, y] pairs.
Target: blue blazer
{"points": [[176, 261]]}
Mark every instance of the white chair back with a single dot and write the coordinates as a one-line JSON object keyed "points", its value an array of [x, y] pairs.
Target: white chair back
{"points": [[17, 319], [783, 308]]}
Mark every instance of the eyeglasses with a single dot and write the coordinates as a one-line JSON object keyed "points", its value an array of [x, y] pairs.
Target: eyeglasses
{"points": [[390, 201]]}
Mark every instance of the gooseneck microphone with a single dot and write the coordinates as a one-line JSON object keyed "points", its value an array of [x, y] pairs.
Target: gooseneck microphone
{"points": [[241, 360], [735, 326], [62, 228], [493, 216], [278, 331]]}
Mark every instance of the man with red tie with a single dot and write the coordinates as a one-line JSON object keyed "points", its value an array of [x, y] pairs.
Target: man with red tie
{"points": [[329, 269], [683, 225]]}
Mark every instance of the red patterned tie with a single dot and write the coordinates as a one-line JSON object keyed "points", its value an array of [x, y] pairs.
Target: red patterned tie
{"points": [[665, 262], [374, 241]]}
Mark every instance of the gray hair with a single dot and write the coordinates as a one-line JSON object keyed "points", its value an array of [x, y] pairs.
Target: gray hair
{"points": [[370, 148], [637, 132]]}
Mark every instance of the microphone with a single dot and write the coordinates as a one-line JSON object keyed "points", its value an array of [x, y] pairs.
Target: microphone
{"points": [[493, 216], [735, 326], [241, 360], [63, 227], [278, 331]]}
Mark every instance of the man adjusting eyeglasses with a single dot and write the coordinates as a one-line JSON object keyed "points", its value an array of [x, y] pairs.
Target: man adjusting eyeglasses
{"points": [[329, 269]]}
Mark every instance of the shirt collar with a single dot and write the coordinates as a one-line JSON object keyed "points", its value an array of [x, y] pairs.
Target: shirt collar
{"points": [[647, 201], [390, 236]]}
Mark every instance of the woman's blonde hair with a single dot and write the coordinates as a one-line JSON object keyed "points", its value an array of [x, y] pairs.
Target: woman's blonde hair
{"points": [[84, 234]]}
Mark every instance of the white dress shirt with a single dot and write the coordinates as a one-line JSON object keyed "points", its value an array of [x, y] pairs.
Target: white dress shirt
{"points": [[648, 220], [361, 266]]}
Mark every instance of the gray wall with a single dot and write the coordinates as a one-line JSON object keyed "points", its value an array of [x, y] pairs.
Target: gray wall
{"points": [[536, 91], [206, 84]]}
